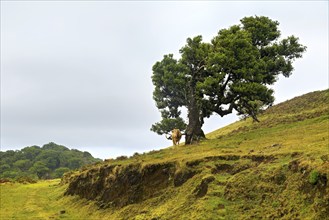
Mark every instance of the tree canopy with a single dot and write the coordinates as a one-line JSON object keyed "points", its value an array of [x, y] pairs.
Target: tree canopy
{"points": [[232, 72], [49, 161]]}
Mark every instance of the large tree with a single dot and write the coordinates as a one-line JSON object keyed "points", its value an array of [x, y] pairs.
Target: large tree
{"points": [[232, 72]]}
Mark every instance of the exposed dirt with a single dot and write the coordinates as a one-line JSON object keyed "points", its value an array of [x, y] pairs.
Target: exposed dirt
{"points": [[202, 188], [119, 186]]}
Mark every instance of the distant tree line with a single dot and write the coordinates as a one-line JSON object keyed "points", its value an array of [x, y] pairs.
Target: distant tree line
{"points": [[46, 162]]}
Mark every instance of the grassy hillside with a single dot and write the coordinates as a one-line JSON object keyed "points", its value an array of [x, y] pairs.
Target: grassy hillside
{"points": [[277, 168]]}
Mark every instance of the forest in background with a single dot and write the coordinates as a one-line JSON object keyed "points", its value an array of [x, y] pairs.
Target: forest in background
{"points": [[46, 162]]}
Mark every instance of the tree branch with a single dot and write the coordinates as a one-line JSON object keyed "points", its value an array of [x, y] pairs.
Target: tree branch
{"points": [[225, 84], [222, 112]]}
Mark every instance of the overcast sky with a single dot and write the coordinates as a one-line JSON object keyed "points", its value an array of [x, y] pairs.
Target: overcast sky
{"points": [[78, 73]]}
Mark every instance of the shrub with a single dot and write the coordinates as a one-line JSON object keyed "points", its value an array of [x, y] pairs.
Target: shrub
{"points": [[5, 180], [314, 177], [136, 154], [122, 158], [60, 171], [26, 179]]}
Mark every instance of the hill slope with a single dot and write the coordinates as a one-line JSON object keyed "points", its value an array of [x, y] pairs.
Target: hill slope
{"points": [[277, 168]]}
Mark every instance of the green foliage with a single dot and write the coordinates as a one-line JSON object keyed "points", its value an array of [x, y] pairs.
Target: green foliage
{"points": [[167, 124], [49, 161], [4, 167], [58, 173], [26, 179], [314, 177], [74, 163], [22, 164], [232, 72], [11, 174], [121, 158], [40, 169]]}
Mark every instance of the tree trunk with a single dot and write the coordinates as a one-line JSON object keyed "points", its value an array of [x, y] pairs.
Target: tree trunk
{"points": [[193, 131]]}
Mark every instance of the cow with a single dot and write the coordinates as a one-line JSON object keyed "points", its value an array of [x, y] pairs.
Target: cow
{"points": [[175, 136]]}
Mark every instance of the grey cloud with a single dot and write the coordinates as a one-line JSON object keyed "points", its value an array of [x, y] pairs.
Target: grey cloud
{"points": [[79, 73]]}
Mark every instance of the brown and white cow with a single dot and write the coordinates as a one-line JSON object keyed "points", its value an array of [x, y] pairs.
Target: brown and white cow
{"points": [[175, 136]]}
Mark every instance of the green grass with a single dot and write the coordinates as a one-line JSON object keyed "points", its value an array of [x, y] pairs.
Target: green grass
{"points": [[275, 169], [45, 200], [42, 200], [19, 201]]}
